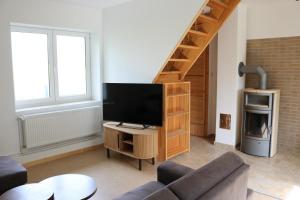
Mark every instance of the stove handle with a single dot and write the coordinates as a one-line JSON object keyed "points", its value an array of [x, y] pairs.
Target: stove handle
{"points": [[269, 130]]}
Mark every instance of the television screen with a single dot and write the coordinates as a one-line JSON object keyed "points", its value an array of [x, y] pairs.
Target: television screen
{"points": [[133, 103]]}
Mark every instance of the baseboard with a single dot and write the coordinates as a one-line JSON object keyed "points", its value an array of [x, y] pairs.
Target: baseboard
{"points": [[61, 156], [44, 153], [224, 146]]}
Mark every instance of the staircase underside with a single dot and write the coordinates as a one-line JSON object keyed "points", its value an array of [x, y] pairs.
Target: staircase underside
{"points": [[197, 37]]}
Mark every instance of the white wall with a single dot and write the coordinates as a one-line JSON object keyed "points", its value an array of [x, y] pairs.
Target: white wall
{"points": [[139, 36], [42, 13], [231, 51], [273, 18]]}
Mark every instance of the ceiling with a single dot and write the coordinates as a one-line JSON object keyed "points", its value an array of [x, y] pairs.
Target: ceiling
{"points": [[96, 3], [108, 3]]}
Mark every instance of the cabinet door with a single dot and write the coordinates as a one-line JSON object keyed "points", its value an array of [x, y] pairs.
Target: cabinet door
{"points": [[144, 146], [177, 144], [111, 138], [178, 135]]}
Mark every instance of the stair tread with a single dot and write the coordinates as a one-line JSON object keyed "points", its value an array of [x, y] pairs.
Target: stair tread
{"points": [[188, 46], [208, 18], [198, 32], [179, 60], [171, 72], [218, 3]]}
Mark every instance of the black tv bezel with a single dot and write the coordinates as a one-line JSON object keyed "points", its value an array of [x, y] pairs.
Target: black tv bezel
{"points": [[145, 125]]}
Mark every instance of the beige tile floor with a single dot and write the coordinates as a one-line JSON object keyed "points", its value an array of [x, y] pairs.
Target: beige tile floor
{"points": [[278, 177]]}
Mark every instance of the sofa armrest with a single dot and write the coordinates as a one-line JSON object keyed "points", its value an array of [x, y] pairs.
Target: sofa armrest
{"points": [[169, 171]]}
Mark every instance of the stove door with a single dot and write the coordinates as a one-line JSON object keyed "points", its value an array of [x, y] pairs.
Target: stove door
{"points": [[257, 132], [257, 124]]}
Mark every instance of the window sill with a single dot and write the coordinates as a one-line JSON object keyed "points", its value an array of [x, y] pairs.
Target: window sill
{"points": [[58, 107]]}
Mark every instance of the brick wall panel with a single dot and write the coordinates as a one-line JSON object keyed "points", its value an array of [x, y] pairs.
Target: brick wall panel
{"points": [[280, 57]]}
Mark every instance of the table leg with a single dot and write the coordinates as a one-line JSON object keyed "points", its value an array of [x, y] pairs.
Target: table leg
{"points": [[107, 153], [153, 161], [140, 164]]}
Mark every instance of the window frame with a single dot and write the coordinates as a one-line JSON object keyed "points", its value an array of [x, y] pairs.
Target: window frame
{"points": [[87, 96], [54, 98]]}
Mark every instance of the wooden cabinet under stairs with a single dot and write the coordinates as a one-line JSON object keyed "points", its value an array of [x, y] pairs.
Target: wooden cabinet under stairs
{"points": [[174, 137]]}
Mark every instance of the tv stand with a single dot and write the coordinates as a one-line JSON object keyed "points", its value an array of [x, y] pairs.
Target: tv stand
{"points": [[121, 124], [141, 144]]}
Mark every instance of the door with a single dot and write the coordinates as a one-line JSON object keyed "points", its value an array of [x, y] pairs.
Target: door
{"points": [[199, 78]]}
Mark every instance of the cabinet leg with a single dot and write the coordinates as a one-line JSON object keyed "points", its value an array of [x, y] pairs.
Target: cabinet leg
{"points": [[153, 161], [107, 153], [140, 164]]}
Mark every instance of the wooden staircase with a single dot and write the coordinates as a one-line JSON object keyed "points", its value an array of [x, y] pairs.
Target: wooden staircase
{"points": [[195, 40], [174, 136]]}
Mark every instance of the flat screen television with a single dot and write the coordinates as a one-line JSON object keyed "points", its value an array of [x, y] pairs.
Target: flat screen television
{"points": [[133, 103]]}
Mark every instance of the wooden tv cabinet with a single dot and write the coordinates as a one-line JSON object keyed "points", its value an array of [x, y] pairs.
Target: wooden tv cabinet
{"points": [[136, 143]]}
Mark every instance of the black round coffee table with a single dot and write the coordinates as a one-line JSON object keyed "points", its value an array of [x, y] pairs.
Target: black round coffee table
{"points": [[33, 191], [71, 186]]}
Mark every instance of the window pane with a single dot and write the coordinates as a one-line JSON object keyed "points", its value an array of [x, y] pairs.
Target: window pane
{"points": [[30, 65], [71, 65]]}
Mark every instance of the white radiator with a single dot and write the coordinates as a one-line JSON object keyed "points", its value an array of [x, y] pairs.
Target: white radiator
{"points": [[54, 127]]}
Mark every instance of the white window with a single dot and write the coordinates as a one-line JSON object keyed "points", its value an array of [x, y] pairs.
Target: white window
{"points": [[50, 66]]}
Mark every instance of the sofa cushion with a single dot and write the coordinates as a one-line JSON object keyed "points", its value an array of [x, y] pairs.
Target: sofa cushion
{"points": [[168, 172], [195, 184], [142, 191], [163, 194], [233, 187], [12, 174]]}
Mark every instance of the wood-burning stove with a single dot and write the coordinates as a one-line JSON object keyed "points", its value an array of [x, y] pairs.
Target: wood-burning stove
{"points": [[260, 122]]}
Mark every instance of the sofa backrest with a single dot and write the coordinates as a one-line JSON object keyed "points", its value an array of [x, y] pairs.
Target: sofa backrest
{"points": [[234, 187], [197, 184], [163, 194]]}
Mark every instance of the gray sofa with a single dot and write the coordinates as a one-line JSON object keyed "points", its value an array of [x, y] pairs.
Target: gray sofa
{"points": [[225, 178], [12, 174]]}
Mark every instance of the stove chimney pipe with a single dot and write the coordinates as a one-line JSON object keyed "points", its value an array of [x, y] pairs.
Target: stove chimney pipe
{"points": [[244, 69]]}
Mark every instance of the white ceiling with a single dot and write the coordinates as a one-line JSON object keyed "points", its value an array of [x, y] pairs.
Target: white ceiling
{"points": [[108, 3], [96, 3]]}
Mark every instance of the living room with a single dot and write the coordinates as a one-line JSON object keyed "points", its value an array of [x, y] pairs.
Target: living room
{"points": [[60, 60]]}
